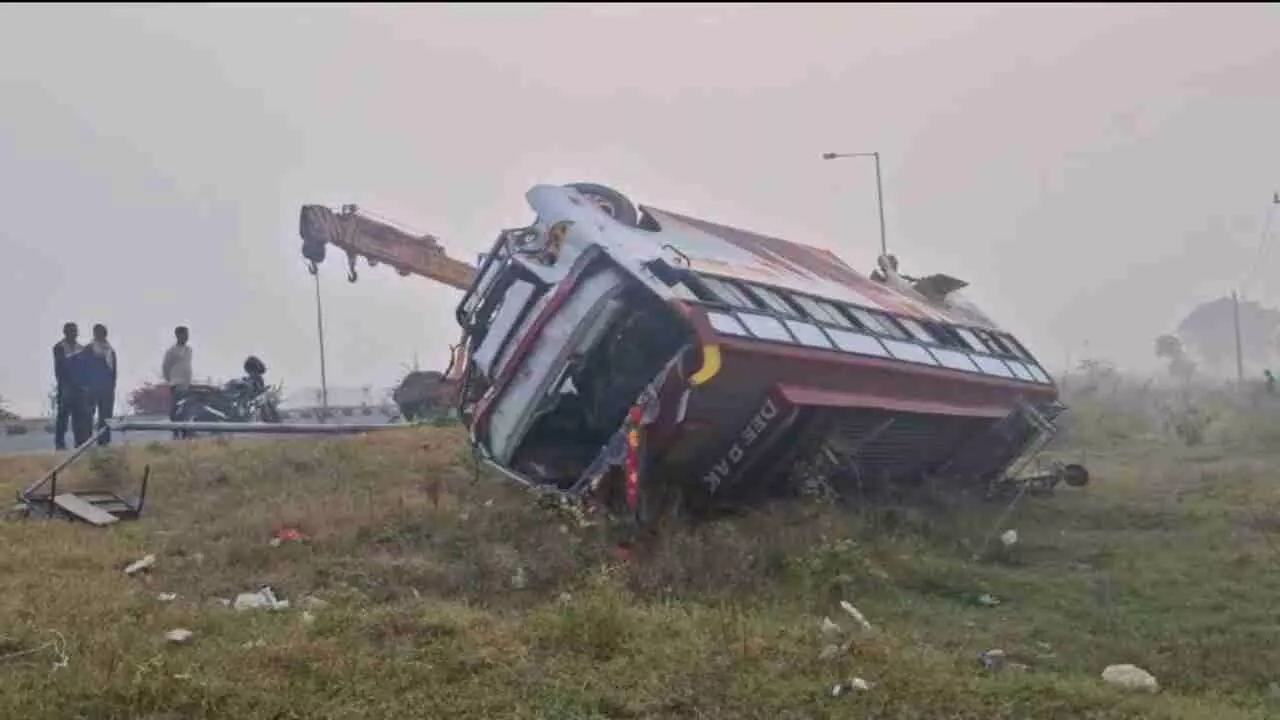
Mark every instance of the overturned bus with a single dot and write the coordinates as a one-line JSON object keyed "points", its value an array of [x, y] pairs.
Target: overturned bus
{"points": [[644, 359]]}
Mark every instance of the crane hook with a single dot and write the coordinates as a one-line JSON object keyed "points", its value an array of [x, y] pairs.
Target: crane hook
{"points": [[311, 267], [352, 275]]}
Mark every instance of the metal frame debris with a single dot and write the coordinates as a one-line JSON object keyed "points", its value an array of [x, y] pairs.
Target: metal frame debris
{"points": [[101, 507]]}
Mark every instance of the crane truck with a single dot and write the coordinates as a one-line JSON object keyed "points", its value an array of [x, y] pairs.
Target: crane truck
{"points": [[360, 235], [378, 242]]}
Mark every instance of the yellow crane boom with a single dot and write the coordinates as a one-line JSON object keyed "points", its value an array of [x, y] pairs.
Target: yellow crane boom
{"points": [[377, 242]]}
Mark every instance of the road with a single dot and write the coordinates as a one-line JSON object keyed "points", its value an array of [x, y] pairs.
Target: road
{"points": [[37, 440]]}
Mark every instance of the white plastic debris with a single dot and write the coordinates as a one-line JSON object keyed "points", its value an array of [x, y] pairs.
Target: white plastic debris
{"points": [[851, 685], [167, 597], [179, 636], [520, 580], [308, 617], [988, 600], [993, 659], [1009, 538], [829, 628], [1130, 677], [264, 598], [855, 614], [139, 565]]}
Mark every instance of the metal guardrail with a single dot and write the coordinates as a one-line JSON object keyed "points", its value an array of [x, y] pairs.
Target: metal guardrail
{"points": [[45, 426], [126, 425]]}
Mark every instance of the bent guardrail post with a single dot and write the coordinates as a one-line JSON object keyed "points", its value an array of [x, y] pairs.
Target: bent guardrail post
{"points": [[84, 447]]}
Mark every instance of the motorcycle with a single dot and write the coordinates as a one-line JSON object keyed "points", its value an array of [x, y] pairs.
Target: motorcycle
{"points": [[246, 399]]}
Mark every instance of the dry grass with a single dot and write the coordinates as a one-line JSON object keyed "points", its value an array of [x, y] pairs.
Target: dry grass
{"points": [[448, 597]]}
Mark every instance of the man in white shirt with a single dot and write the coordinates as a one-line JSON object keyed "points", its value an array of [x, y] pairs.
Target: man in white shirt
{"points": [[176, 371]]}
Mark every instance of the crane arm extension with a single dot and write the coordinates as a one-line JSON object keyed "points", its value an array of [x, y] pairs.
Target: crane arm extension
{"points": [[378, 242]]}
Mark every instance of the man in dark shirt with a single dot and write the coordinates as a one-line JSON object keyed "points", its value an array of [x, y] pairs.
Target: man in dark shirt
{"points": [[70, 403]]}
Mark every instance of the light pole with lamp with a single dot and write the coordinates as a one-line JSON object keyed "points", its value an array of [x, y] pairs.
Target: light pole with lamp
{"points": [[879, 188]]}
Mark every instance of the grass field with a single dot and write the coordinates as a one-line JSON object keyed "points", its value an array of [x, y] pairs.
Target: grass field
{"points": [[422, 592]]}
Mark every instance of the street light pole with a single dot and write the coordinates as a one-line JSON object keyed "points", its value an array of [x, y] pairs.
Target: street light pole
{"points": [[879, 189]]}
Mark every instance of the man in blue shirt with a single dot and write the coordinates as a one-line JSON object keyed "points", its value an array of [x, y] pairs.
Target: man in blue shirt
{"points": [[70, 401]]}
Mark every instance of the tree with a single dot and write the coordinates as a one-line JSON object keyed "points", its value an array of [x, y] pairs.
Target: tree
{"points": [[5, 412], [1208, 333], [1170, 349], [150, 399]]}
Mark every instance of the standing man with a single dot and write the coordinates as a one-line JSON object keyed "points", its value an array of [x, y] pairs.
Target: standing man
{"points": [[176, 371], [102, 380], [69, 394]]}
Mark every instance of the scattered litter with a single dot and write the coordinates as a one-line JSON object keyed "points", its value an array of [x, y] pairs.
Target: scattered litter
{"points": [[520, 580], [222, 601], [179, 636], [1130, 677], [264, 598], [858, 616], [308, 617], [139, 565], [988, 600], [287, 534], [849, 686], [58, 645], [996, 660], [993, 659], [1009, 538], [829, 628], [167, 597]]}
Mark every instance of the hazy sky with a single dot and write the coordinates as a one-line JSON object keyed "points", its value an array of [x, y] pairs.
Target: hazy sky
{"points": [[1093, 171]]}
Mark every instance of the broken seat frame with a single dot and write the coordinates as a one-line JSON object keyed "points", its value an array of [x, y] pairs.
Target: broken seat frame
{"points": [[98, 507]]}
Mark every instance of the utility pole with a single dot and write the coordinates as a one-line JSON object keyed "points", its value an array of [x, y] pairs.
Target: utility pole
{"points": [[324, 379], [879, 188], [1235, 319], [1247, 284]]}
